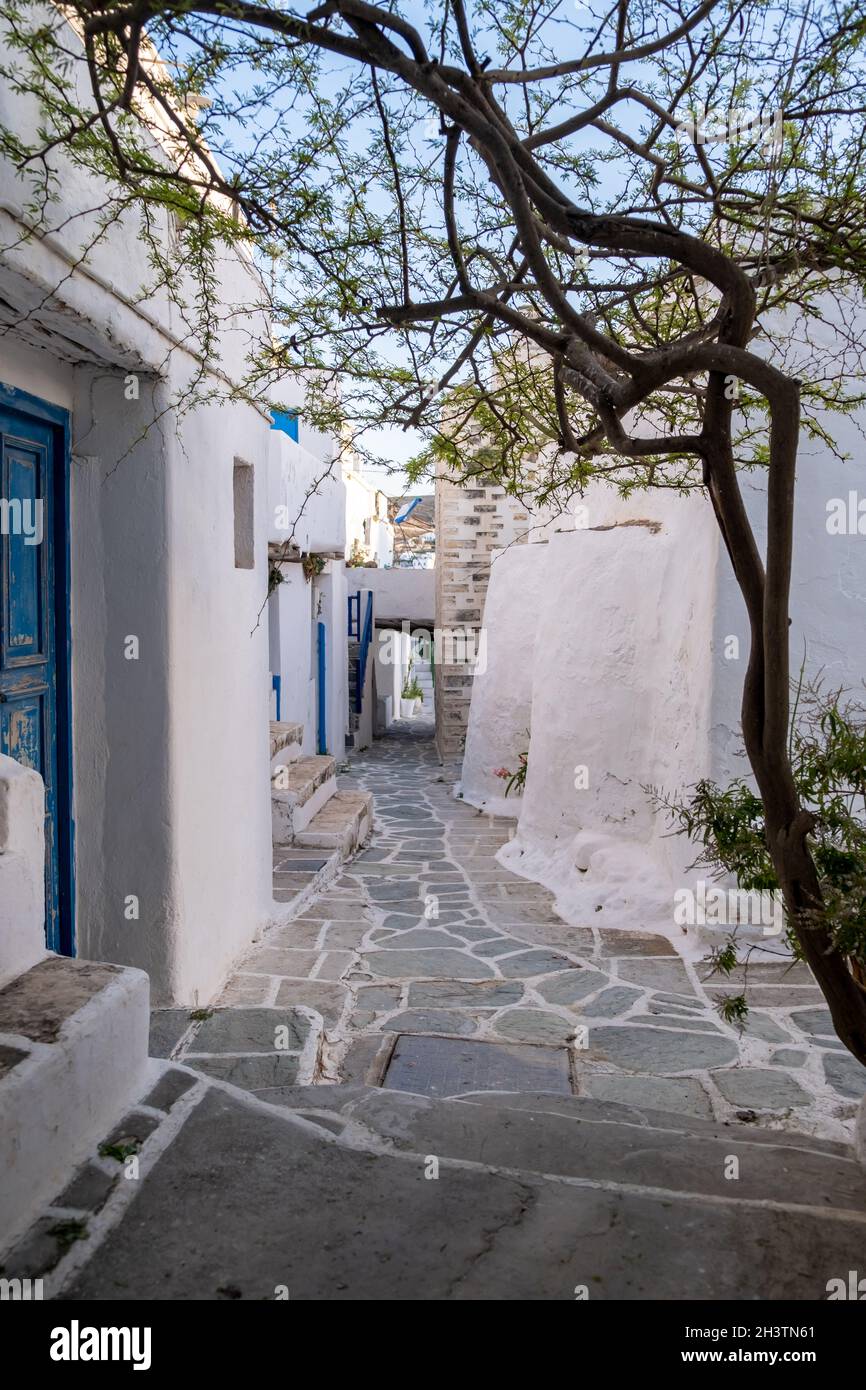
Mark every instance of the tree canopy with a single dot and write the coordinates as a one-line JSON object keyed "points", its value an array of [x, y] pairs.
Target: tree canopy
{"points": [[618, 239]]}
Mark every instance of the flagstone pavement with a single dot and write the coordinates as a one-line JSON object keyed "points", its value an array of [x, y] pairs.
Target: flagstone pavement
{"points": [[425, 935]]}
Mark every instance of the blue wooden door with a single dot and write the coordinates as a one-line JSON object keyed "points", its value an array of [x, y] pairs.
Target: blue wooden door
{"points": [[34, 628]]}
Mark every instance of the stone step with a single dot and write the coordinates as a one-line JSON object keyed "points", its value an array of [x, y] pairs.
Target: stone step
{"points": [[73, 1052], [602, 1141], [344, 824], [299, 790], [286, 740], [499, 1235]]}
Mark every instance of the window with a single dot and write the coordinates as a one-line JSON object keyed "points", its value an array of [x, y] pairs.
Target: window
{"points": [[245, 551]]}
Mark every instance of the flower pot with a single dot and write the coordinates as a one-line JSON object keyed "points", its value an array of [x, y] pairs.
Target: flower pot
{"points": [[417, 703], [407, 709]]}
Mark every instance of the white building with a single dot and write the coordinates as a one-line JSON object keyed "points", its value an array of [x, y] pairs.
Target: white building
{"points": [[614, 645], [138, 647]]}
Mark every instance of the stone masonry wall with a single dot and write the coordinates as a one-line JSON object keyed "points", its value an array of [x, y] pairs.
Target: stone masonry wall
{"points": [[470, 523]]}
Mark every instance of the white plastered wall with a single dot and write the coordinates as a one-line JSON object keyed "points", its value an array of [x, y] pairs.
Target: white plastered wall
{"points": [[614, 624], [170, 751]]}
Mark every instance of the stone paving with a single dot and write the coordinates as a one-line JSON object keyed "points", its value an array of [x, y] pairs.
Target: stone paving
{"points": [[426, 934]]}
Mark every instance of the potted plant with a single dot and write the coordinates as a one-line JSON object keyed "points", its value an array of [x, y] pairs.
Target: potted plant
{"points": [[410, 696]]}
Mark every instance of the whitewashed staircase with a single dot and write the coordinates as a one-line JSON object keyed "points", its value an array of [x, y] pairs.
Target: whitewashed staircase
{"points": [[307, 810]]}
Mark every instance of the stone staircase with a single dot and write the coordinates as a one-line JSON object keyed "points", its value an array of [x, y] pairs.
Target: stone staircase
{"points": [[536, 1197], [307, 810]]}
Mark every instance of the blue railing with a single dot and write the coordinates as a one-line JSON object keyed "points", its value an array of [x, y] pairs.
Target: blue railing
{"points": [[364, 650], [322, 709], [277, 686]]}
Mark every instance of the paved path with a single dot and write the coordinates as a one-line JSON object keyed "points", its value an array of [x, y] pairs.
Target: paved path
{"points": [[425, 934], [255, 1178]]}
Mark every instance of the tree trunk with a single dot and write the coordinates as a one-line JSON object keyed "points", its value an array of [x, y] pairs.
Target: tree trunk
{"points": [[787, 826]]}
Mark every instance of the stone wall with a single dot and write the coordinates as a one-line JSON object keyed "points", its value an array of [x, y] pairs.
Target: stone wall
{"points": [[471, 522]]}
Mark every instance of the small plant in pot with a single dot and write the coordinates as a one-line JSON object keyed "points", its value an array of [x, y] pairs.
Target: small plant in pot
{"points": [[411, 696]]}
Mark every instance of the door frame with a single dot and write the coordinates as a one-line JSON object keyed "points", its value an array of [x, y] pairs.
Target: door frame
{"points": [[57, 417]]}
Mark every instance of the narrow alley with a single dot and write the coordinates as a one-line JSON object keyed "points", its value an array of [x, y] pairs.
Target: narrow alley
{"points": [[426, 939], [430, 1086]]}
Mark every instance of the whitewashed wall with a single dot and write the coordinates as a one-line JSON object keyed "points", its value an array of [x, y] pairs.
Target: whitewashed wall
{"points": [[828, 585], [398, 593], [599, 642], [306, 498], [170, 769]]}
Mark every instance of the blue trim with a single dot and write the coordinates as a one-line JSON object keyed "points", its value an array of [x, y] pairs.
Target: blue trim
{"points": [[11, 398], [287, 421], [366, 639], [321, 690], [277, 685]]}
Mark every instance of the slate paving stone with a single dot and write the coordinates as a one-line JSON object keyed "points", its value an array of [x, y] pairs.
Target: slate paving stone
{"points": [[518, 915], [134, 1128], [451, 994], [169, 1088], [528, 964], [662, 1007], [279, 960], [394, 892], [612, 1002], [327, 998], [755, 1088], [334, 964], [419, 937], [337, 910], [534, 1025], [431, 1021], [692, 1023], [249, 1030], [344, 935], [627, 943], [246, 991], [845, 1074], [452, 1067], [296, 936], [167, 1027], [572, 986], [789, 1057], [768, 996], [471, 933], [443, 963], [679, 1095], [250, 1073], [758, 1025], [379, 997], [399, 921], [682, 1001], [501, 946], [89, 1189], [669, 975], [653, 1050], [783, 972], [817, 1023]]}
